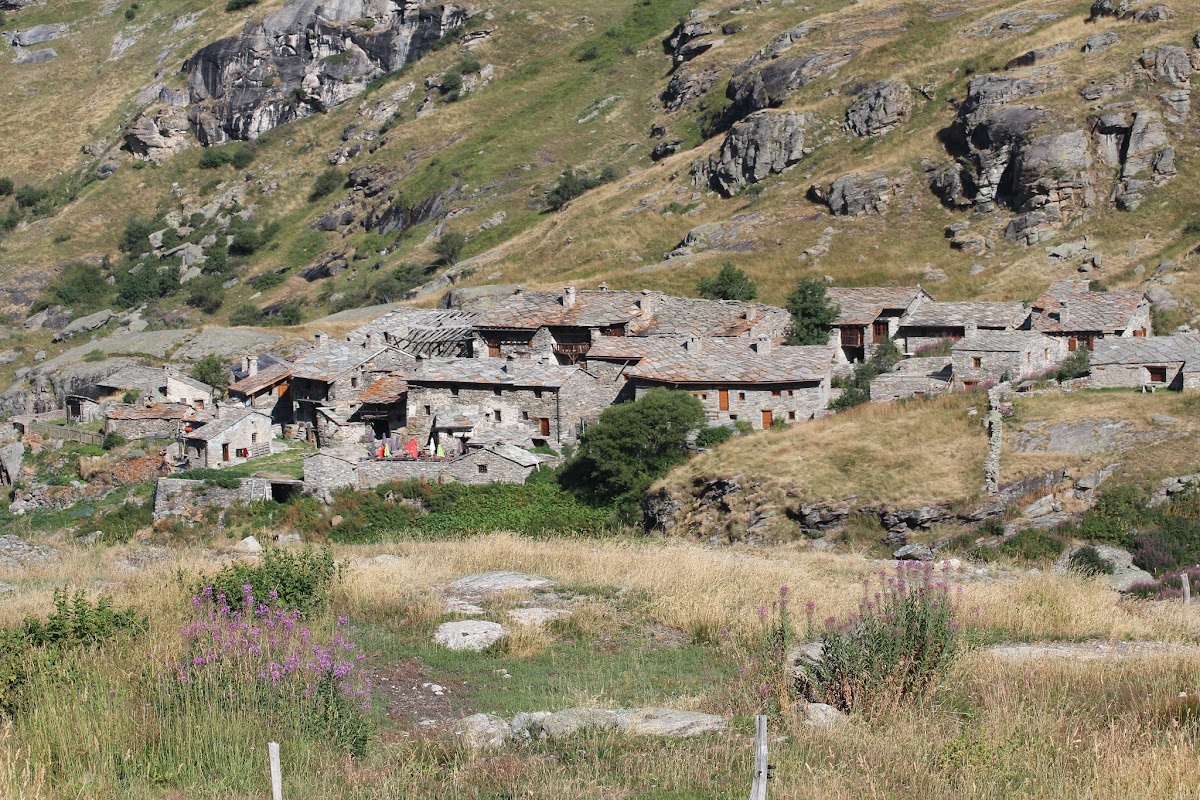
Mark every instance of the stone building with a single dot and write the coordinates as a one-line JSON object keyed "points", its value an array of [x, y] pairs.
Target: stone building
{"points": [[1069, 310], [1156, 362], [266, 390], [913, 378], [181, 498], [328, 382], [137, 381], [382, 406], [445, 333], [934, 322], [867, 316], [565, 324], [236, 435], [329, 470], [141, 421], [993, 356], [515, 400], [82, 409], [178, 388], [736, 379]]}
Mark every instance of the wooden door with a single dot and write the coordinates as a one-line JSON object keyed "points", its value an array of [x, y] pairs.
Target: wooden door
{"points": [[768, 417], [544, 426], [723, 400], [225, 452], [879, 330]]}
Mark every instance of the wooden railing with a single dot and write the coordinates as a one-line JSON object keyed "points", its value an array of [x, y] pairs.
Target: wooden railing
{"points": [[65, 433]]}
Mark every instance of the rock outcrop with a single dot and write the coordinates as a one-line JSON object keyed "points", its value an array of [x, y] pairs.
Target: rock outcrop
{"points": [[755, 85], [687, 85], [1052, 179], [305, 58], [38, 34], [763, 144], [691, 37], [1121, 9], [157, 136], [880, 108], [855, 195]]}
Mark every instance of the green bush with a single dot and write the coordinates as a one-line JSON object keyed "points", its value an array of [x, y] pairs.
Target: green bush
{"points": [[29, 196], [451, 84], [450, 246], [572, 184], [713, 436], [80, 287], [1088, 561], [130, 13], [1114, 516], [236, 154], [898, 645], [245, 314], [206, 294], [115, 440], [6, 187], [728, 284], [136, 237], [121, 524], [590, 52], [211, 370], [856, 390], [1074, 365], [303, 579], [1034, 545], [237, 5], [267, 280], [213, 477], [469, 65], [327, 183]]}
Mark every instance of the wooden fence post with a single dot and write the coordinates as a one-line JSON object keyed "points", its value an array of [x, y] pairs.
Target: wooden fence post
{"points": [[758, 789], [1187, 589], [276, 771]]}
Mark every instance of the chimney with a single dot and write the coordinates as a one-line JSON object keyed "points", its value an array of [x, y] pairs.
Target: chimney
{"points": [[569, 296], [692, 344], [647, 305], [320, 339], [594, 333], [762, 345], [603, 287], [970, 327], [371, 343], [252, 365], [246, 364]]}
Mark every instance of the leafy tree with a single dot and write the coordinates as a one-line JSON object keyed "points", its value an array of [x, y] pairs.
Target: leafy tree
{"points": [[450, 246], [216, 259], [137, 234], [469, 65], [811, 313], [857, 389], [243, 156], [210, 370], [632, 445], [728, 284], [140, 286], [327, 183], [572, 184], [290, 314]]}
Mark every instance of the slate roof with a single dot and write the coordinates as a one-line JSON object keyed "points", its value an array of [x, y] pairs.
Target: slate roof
{"points": [[230, 418], [135, 377], [187, 380], [156, 411], [1138, 350], [416, 329], [862, 306], [265, 361], [999, 316], [492, 371], [515, 454], [387, 389], [263, 379], [1001, 341], [648, 313], [921, 366], [716, 360], [333, 360], [1067, 306]]}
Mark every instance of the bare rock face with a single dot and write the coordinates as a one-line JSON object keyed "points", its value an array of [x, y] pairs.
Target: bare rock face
{"points": [[1051, 178], [1169, 64], [38, 34], [1100, 42], [856, 195], [307, 57], [1122, 9], [687, 85], [1149, 160], [763, 144], [691, 37], [880, 108], [158, 136], [987, 94], [755, 86]]}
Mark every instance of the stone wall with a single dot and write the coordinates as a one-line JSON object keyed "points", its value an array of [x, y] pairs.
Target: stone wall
{"points": [[177, 497], [134, 429], [892, 386], [994, 364], [180, 392], [324, 474], [789, 403]]}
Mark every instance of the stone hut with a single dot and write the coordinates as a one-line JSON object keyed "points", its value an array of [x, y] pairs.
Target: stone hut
{"points": [[82, 409], [1069, 310], [867, 316], [736, 379], [143, 382], [932, 323], [993, 356], [266, 390], [179, 388], [237, 435], [1156, 362], [913, 378], [153, 421]]}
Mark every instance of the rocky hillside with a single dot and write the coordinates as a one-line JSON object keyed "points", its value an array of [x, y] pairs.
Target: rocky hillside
{"points": [[267, 163]]}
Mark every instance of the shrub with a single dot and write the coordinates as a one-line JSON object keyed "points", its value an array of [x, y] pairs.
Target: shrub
{"points": [[206, 294], [115, 440], [211, 370], [811, 313], [142, 286], [135, 239], [121, 524], [267, 280], [451, 84], [1034, 545], [130, 13], [246, 238], [713, 436], [590, 52], [237, 5], [79, 287], [1088, 561], [327, 183], [469, 65], [1074, 365], [450, 246], [29, 196], [900, 642], [572, 184], [6, 187], [245, 314], [289, 314], [302, 580], [217, 156], [1116, 512], [243, 156], [728, 284], [856, 390]]}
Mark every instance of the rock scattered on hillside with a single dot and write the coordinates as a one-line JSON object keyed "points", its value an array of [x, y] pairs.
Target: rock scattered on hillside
{"points": [[39, 34], [84, 324], [487, 731], [496, 582], [25, 56], [1100, 42], [691, 37], [763, 144], [471, 634], [880, 109], [755, 86], [16, 552], [158, 136], [1122, 9], [856, 195]]}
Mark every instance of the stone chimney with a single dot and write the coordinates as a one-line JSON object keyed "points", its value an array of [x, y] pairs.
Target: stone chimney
{"points": [[647, 305], [603, 287], [372, 341], [246, 364], [252, 365], [970, 327], [569, 296], [762, 345], [320, 339], [692, 343]]}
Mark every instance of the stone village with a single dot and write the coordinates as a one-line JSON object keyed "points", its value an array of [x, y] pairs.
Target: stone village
{"points": [[491, 391]]}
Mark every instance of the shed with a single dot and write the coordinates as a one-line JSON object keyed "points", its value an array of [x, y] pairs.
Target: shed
{"points": [[237, 435]]}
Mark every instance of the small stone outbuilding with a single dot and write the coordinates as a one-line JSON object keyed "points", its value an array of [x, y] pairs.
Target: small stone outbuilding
{"points": [[154, 421], [913, 378], [236, 435], [992, 356], [1153, 362]]}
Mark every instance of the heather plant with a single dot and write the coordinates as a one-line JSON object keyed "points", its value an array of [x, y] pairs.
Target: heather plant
{"points": [[902, 638], [264, 658], [302, 580]]}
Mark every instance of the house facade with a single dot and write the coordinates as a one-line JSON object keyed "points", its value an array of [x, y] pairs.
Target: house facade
{"points": [[867, 316], [236, 435], [188, 391], [267, 390], [934, 322], [992, 356], [1152, 362], [146, 421], [1069, 310]]}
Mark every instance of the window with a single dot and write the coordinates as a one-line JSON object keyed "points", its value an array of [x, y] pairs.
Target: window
{"points": [[703, 396], [776, 393], [496, 391], [879, 330], [791, 393], [1028, 358], [537, 393], [1072, 344], [199, 404], [976, 362], [428, 410], [353, 381], [496, 415], [254, 437], [1157, 374], [454, 392], [493, 346], [524, 415], [1046, 353], [482, 469], [741, 395], [791, 416], [733, 417]]}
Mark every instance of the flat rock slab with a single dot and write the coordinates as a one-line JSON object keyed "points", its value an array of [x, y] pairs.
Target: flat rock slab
{"points": [[669, 722], [498, 581], [632, 721], [472, 634], [537, 616], [15, 552], [1089, 651], [456, 605]]}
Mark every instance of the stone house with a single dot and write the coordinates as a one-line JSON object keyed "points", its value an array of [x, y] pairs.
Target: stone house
{"points": [[236, 435], [445, 333], [178, 388], [993, 356], [1069, 310], [82, 409], [328, 382], [146, 421], [913, 378], [736, 379], [935, 322], [868, 315], [513, 399], [382, 406], [136, 380], [1156, 362], [266, 390], [329, 470], [565, 324]]}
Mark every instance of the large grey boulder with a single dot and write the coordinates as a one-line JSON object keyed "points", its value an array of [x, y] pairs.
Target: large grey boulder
{"points": [[1124, 575], [635, 722], [856, 195], [691, 37], [498, 581], [25, 56], [158, 136], [755, 85], [1169, 64], [482, 731], [472, 634], [987, 94], [38, 34], [1052, 174], [306, 58], [1098, 43], [84, 324], [763, 144], [880, 108]]}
